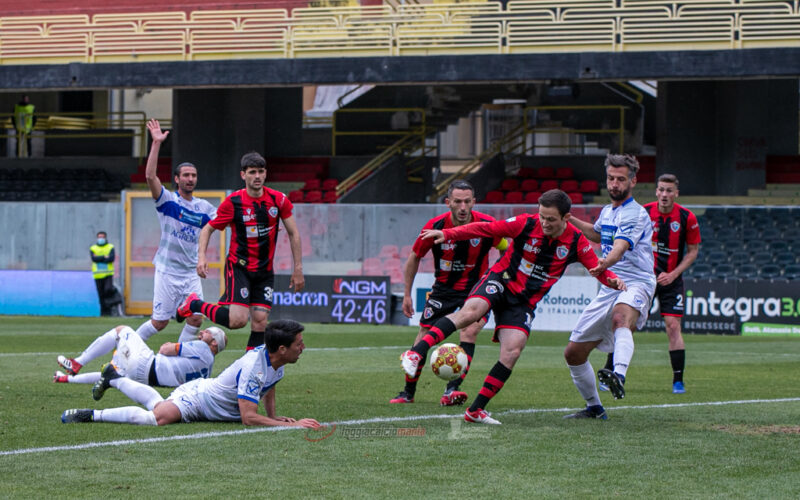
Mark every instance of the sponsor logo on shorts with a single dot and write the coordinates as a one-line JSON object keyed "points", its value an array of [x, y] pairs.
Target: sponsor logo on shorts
{"points": [[675, 226], [273, 211], [268, 292], [427, 313], [561, 252], [435, 303], [244, 292]]}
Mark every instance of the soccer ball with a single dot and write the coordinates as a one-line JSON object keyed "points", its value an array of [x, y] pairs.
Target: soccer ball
{"points": [[449, 361]]}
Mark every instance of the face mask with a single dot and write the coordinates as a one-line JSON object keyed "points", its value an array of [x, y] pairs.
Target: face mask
{"points": [[101, 241]]}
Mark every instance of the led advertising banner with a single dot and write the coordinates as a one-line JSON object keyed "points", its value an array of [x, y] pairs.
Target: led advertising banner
{"points": [[333, 299], [737, 308]]}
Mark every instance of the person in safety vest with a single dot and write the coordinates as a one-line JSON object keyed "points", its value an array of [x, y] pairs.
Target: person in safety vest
{"points": [[23, 124], [103, 273]]}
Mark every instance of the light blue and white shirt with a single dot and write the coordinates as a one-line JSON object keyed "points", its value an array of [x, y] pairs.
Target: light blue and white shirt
{"points": [[180, 221], [193, 360], [249, 377], [630, 222]]}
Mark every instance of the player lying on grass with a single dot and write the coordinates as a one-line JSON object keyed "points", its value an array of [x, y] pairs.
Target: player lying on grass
{"points": [[174, 364], [231, 397], [542, 246]]}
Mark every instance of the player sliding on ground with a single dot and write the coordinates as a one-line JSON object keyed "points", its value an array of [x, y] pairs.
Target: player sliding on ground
{"points": [[542, 246], [233, 396]]}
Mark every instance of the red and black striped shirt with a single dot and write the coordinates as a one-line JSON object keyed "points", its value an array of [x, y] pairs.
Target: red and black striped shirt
{"points": [[671, 233], [533, 263], [254, 226], [458, 264]]}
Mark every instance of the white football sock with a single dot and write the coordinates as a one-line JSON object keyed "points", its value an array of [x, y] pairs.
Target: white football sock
{"points": [[623, 350], [84, 378], [101, 346], [188, 333], [583, 378], [146, 330], [125, 415], [141, 393]]}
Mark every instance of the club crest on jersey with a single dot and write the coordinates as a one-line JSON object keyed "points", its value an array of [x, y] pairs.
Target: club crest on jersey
{"points": [[475, 242], [675, 226], [273, 211], [427, 313], [561, 252], [244, 292], [435, 303]]}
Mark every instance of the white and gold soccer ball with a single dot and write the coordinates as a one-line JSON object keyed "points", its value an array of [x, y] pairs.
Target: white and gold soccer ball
{"points": [[449, 361]]}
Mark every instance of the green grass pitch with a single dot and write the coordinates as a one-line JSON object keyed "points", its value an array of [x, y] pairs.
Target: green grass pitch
{"points": [[734, 434]]}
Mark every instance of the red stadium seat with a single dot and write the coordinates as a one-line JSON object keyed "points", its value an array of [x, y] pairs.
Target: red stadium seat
{"points": [[406, 251], [296, 196], [569, 185], [329, 184], [589, 187], [545, 173], [389, 251], [312, 185], [513, 197], [510, 185], [529, 185], [526, 173], [548, 185], [494, 197], [330, 196], [576, 198], [564, 173], [313, 197], [532, 197]]}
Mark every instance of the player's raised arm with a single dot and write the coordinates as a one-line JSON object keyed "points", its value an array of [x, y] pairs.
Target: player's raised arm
{"points": [[586, 228], [150, 173]]}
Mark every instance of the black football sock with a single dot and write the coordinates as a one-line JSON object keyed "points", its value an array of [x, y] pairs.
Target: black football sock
{"points": [[411, 382], [440, 330], [678, 360], [491, 386], [469, 349], [255, 340], [218, 314]]}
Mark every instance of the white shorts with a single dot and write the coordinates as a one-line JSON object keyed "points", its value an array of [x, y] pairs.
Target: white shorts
{"points": [[132, 357], [595, 321], [170, 290], [185, 397]]}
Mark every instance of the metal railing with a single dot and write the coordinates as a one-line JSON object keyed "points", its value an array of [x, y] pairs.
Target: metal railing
{"points": [[82, 125], [519, 26]]}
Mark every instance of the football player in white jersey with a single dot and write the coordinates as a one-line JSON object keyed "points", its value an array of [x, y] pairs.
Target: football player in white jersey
{"points": [[181, 217], [173, 365], [232, 396], [624, 231]]}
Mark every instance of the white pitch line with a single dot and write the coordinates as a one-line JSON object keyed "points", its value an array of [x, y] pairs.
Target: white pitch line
{"points": [[376, 420]]}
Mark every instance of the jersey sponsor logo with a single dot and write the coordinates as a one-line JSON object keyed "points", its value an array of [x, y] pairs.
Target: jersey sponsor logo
{"points": [[187, 233], [190, 218], [435, 303], [526, 266], [475, 242], [273, 212], [427, 313], [561, 252], [268, 292], [675, 226], [257, 231], [244, 292], [449, 245], [527, 247], [248, 215], [445, 265]]}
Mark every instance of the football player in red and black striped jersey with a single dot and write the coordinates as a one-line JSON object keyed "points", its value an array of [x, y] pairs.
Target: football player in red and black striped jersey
{"points": [[458, 266], [253, 214], [542, 246]]}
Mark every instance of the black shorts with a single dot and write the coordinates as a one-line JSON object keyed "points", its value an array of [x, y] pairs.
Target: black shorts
{"points": [[670, 298], [440, 303], [246, 288], [510, 310]]}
